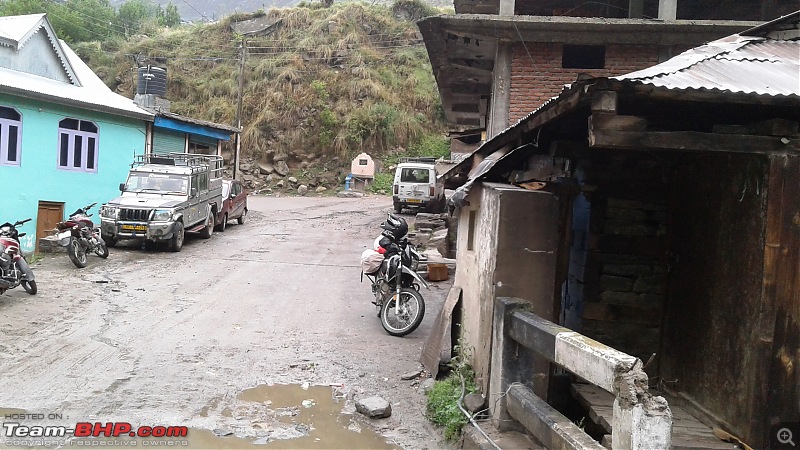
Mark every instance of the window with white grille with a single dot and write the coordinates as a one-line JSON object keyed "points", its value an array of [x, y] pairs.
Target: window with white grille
{"points": [[77, 145], [10, 136]]}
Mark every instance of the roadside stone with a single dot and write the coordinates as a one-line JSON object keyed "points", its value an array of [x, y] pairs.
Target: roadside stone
{"points": [[281, 168], [292, 180], [320, 189], [427, 385], [245, 167], [374, 407], [350, 194], [474, 402], [302, 189], [280, 184], [410, 375], [265, 168]]}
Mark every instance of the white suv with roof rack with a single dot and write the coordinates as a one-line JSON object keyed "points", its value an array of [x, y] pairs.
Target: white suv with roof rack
{"points": [[417, 186]]}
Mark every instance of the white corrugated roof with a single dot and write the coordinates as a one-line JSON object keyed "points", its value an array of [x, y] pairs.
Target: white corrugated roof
{"points": [[743, 64], [91, 93], [14, 29]]}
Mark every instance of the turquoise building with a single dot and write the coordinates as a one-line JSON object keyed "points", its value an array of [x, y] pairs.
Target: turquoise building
{"points": [[66, 140]]}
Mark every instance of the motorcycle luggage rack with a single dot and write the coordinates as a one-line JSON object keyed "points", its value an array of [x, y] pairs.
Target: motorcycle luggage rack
{"points": [[425, 159], [196, 162]]}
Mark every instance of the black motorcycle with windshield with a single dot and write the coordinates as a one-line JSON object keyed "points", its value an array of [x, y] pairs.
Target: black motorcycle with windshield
{"points": [[391, 269]]}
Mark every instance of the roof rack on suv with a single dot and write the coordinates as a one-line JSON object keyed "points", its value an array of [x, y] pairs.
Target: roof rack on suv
{"points": [[197, 162], [427, 160]]}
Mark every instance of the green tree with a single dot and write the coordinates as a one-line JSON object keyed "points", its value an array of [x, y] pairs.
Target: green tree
{"points": [[132, 14], [169, 17]]}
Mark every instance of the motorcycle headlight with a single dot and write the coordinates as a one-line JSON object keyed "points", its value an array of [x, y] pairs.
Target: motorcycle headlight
{"points": [[108, 212], [162, 215]]}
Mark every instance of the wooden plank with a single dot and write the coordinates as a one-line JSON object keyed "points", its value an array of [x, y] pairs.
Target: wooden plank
{"points": [[688, 432], [605, 101], [692, 141], [775, 399], [604, 121]]}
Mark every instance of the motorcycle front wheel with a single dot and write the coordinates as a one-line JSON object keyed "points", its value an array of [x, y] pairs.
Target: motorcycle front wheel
{"points": [[29, 286], [101, 249], [76, 253], [405, 319]]}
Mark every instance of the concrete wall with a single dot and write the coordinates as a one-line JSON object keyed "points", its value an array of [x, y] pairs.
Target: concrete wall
{"points": [[537, 77], [38, 177], [36, 57], [513, 255]]}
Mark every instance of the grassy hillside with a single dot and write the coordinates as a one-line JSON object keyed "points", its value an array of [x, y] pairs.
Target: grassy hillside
{"points": [[327, 84]]}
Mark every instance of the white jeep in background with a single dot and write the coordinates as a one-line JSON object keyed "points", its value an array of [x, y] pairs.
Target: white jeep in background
{"points": [[417, 186]]}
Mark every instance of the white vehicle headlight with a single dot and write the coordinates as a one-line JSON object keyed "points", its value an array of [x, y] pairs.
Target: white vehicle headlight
{"points": [[162, 215], [108, 212]]}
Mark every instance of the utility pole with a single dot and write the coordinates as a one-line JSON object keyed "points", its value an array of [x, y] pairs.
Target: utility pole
{"points": [[242, 54]]}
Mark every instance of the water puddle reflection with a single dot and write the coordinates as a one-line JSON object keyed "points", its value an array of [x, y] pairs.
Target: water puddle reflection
{"points": [[280, 417]]}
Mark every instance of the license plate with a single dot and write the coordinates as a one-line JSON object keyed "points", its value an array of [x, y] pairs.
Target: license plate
{"points": [[414, 200], [129, 227]]}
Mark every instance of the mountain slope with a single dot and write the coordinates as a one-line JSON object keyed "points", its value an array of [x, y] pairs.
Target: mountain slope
{"points": [[327, 84]]}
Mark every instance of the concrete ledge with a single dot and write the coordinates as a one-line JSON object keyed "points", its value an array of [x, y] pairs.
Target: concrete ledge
{"points": [[50, 244], [473, 440], [549, 426]]}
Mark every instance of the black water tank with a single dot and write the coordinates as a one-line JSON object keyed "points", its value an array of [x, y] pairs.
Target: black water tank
{"points": [[152, 80]]}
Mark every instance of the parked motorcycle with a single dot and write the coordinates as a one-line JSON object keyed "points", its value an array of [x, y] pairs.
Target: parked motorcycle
{"points": [[81, 237], [14, 269], [395, 282]]}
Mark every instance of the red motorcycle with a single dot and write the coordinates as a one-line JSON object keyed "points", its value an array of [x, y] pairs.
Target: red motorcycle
{"points": [[80, 236], [14, 269]]}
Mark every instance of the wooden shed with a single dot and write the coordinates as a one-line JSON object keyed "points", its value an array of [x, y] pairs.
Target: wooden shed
{"points": [[677, 231]]}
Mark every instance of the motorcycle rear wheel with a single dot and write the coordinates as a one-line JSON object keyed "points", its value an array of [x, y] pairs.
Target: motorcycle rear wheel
{"points": [[29, 286], [76, 253], [412, 310], [101, 249]]}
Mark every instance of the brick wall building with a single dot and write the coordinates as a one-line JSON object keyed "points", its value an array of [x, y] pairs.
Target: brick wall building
{"points": [[539, 70]]}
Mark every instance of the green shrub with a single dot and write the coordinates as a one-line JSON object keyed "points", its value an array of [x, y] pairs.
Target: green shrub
{"points": [[442, 407], [382, 182]]}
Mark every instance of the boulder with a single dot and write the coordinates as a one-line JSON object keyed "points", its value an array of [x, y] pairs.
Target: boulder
{"points": [[280, 184], [245, 167], [474, 402], [265, 168], [281, 168], [292, 180], [320, 189], [374, 407], [302, 189], [350, 194]]}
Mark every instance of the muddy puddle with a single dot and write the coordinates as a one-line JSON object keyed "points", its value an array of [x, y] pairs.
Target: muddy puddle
{"points": [[314, 417], [282, 417]]}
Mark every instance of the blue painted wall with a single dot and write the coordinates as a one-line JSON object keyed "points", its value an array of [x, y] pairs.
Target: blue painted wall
{"points": [[38, 176]]}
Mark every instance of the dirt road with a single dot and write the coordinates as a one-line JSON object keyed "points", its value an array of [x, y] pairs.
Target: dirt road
{"points": [[158, 338]]}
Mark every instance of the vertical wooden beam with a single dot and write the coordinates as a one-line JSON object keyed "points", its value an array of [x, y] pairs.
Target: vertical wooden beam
{"points": [[777, 401]]}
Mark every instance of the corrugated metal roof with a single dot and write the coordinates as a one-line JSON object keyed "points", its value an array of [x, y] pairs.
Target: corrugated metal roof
{"points": [[93, 94], [14, 29], [750, 65]]}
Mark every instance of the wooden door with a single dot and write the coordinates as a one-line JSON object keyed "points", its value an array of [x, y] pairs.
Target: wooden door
{"points": [[50, 213]]}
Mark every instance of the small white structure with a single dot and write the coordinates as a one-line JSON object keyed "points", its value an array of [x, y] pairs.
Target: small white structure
{"points": [[362, 169]]}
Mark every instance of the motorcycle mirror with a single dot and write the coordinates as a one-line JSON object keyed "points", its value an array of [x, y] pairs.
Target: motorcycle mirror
{"points": [[122, 187], [21, 234]]}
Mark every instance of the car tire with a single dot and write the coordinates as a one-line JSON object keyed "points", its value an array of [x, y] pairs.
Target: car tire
{"points": [[242, 218], [221, 226], [110, 240], [178, 234], [208, 230]]}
